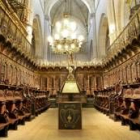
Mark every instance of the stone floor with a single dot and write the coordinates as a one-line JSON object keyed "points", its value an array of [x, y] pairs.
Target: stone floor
{"points": [[96, 126]]}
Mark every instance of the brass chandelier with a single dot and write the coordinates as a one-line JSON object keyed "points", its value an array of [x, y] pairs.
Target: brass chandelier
{"points": [[65, 38]]}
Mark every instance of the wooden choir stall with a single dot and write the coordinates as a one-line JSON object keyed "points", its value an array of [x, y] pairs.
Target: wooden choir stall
{"points": [[19, 104]]}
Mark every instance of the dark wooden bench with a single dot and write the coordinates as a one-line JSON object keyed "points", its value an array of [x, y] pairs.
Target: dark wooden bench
{"points": [[4, 124], [12, 110], [132, 103], [102, 100]]}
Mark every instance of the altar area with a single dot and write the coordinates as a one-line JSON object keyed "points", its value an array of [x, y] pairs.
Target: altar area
{"points": [[70, 105]]}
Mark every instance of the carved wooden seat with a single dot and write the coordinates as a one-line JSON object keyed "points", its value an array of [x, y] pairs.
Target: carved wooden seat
{"points": [[134, 116], [129, 112], [25, 105], [18, 95], [122, 109], [124, 113], [4, 124], [23, 113], [13, 115], [102, 98], [12, 109]]}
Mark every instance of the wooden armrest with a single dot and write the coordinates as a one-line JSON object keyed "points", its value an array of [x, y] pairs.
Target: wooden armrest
{"points": [[27, 114], [21, 117], [12, 121], [136, 120], [126, 116], [2, 125]]}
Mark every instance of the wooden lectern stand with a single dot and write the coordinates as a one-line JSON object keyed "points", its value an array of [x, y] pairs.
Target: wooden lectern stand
{"points": [[70, 116]]}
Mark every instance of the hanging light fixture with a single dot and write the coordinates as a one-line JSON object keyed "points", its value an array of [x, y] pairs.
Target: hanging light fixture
{"points": [[65, 39]]}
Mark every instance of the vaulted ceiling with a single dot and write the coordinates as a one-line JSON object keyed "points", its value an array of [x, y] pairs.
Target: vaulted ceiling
{"points": [[75, 8], [88, 3]]}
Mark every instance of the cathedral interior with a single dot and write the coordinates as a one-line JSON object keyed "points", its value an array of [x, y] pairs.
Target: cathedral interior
{"points": [[70, 54]]}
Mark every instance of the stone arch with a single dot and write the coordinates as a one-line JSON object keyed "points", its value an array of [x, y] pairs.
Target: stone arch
{"points": [[103, 39], [37, 49]]}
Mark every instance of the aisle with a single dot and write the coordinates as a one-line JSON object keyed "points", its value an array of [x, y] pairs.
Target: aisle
{"points": [[96, 126]]}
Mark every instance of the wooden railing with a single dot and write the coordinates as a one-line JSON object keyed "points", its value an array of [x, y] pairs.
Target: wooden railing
{"points": [[129, 33]]}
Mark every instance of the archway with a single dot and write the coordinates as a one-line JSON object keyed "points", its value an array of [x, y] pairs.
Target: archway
{"points": [[103, 39], [37, 47]]}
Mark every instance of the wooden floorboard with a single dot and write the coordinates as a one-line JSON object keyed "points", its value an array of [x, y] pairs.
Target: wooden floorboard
{"points": [[96, 126]]}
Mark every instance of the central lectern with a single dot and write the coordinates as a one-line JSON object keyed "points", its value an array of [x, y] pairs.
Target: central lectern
{"points": [[70, 106], [70, 115]]}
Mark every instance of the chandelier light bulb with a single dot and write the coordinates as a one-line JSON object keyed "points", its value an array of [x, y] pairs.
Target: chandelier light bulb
{"points": [[56, 36], [50, 39], [80, 45], [58, 26], [73, 36], [81, 38], [65, 33], [66, 22], [73, 26], [59, 46], [72, 46], [66, 47]]}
